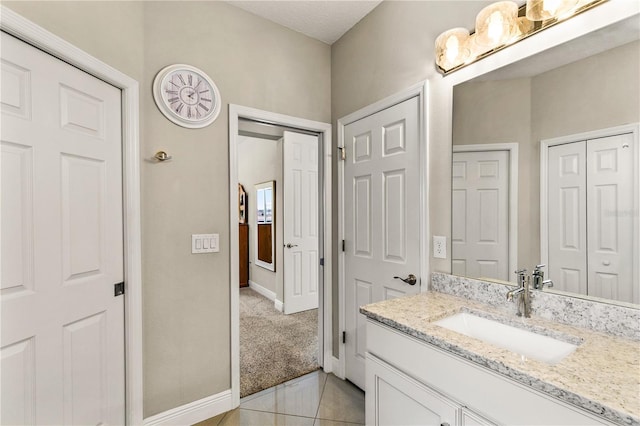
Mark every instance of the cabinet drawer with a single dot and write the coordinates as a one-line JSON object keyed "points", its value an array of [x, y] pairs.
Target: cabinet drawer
{"points": [[395, 399], [484, 391]]}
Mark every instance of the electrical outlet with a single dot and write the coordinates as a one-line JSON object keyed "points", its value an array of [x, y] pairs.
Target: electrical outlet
{"points": [[439, 247]]}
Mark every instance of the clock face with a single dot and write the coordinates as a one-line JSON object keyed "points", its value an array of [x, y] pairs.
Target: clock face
{"points": [[186, 96]]}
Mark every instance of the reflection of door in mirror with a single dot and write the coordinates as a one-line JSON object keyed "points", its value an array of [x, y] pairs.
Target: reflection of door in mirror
{"points": [[481, 178], [265, 220], [587, 219], [558, 93]]}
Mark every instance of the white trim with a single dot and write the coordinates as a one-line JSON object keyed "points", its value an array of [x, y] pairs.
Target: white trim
{"points": [[279, 305], [421, 90], [337, 369], [545, 144], [324, 313], [193, 412], [271, 295], [16, 25], [512, 149]]}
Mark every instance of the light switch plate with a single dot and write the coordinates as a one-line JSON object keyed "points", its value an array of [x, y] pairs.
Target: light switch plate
{"points": [[205, 243], [439, 247]]}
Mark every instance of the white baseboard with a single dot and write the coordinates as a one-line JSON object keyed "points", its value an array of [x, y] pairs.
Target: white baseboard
{"points": [[337, 367], [279, 305], [193, 412], [262, 290]]}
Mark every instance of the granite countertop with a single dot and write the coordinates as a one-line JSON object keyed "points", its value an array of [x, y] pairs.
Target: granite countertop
{"points": [[601, 376]]}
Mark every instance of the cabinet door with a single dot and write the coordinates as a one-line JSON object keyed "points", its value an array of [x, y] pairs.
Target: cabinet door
{"points": [[393, 398], [469, 418]]}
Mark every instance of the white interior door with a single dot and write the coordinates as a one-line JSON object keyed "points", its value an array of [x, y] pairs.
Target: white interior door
{"points": [[381, 218], [567, 217], [62, 344], [480, 214], [610, 200], [300, 222]]}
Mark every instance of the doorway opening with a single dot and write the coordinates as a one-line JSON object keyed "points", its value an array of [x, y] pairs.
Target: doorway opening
{"points": [[280, 253]]}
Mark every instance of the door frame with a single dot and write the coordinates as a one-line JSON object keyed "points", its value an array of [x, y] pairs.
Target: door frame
{"points": [[420, 90], [325, 349], [545, 144], [27, 31], [512, 149]]}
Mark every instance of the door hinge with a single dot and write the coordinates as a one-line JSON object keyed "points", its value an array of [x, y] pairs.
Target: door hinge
{"points": [[344, 337], [322, 261], [342, 153], [118, 289], [343, 245]]}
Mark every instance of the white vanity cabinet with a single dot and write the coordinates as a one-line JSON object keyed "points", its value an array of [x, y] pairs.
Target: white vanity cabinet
{"points": [[411, 382]]}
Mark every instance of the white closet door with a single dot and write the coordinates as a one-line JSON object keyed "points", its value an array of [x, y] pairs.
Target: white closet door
{"points": [[567, 217], [480, 214], [610, 218], [62, 346]]}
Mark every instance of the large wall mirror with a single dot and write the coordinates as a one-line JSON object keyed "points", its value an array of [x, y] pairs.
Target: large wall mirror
{"points": [[546, 167], [265, 224]]}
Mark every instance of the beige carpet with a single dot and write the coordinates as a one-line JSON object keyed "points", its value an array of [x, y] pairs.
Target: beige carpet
{"points": [[274, 347]]}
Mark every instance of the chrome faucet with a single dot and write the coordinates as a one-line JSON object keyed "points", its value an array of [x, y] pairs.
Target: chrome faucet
{"points": [[524, 291], [538, 278], [524, 301]]}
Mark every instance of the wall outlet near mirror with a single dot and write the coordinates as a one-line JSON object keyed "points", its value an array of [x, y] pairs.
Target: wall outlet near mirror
{"points": [[439, 247]]}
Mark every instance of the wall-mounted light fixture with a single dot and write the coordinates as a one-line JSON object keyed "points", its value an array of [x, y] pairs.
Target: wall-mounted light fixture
{"points": [[500, 25]]}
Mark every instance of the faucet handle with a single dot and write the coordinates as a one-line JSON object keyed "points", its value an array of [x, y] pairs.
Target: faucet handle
{"points": [[548, 283], [520, 272], [538, 267]]}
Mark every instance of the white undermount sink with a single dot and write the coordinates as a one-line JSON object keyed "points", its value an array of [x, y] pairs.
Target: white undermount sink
{"points": [[527, 343]]}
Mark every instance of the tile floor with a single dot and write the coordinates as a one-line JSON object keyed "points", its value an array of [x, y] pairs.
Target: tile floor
{"points": [[316, 399]]}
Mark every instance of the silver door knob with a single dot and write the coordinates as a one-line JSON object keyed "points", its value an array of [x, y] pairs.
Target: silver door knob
{"points": [[411, 279], [289, 245]]}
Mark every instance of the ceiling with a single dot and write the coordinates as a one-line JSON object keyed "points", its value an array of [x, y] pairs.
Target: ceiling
{"points": [[326, 21]]}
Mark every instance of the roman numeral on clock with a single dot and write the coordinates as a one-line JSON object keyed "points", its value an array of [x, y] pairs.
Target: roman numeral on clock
{"points": [[179, 108]]}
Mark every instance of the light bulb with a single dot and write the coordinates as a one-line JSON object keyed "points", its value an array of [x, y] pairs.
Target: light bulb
{"points": [[541, 10], [496, 24], [551, 6], [495, 27], [452, 48]]}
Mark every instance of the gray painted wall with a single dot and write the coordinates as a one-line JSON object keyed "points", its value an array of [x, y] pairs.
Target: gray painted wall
{"points": [[255, 63]]}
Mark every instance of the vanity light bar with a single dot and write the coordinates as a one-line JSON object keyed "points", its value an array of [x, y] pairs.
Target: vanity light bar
{"points": [[500, 25]]}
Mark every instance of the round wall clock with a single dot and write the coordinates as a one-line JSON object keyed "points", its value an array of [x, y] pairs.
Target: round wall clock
{"points": [[186, 96]]}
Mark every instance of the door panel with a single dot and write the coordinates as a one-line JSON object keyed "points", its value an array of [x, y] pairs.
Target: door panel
{"points": [[610, 202], [300, 219], [567, 217], [381, 217], [480, 214], [62, 243]]}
